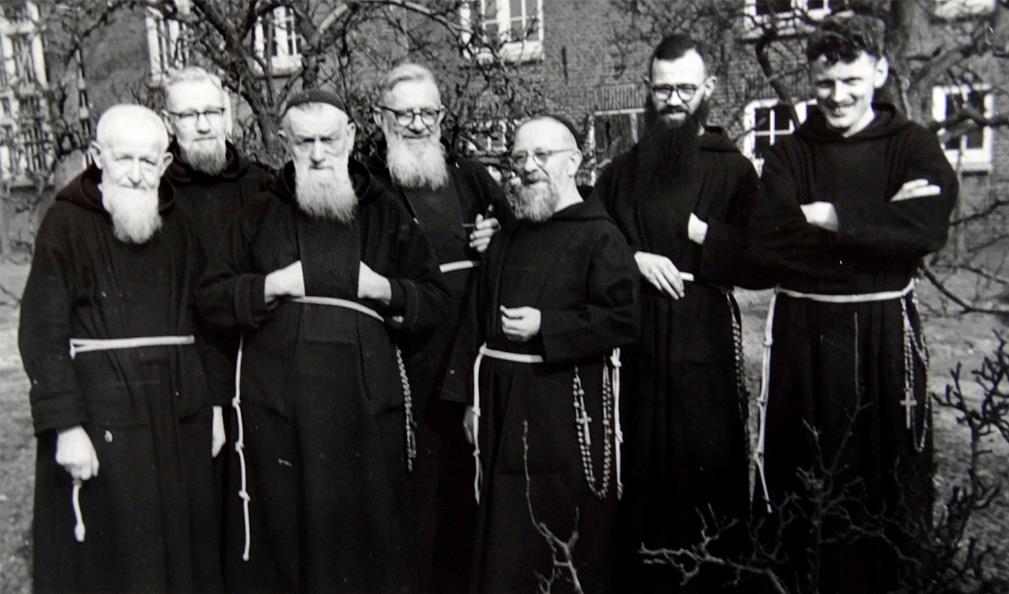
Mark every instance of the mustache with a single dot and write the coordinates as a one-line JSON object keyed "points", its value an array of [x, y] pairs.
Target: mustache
{"points": [[673, 109]]}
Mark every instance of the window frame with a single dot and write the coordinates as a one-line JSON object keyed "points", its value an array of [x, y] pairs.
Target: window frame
{"points": [[978, 159], [750, 125], [786, 23], [634, 113], [515, 51]]}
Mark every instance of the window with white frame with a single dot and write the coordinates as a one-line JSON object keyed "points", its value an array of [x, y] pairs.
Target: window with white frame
{"points": [[766, 121], [275, 38], [614, 132], [787, 13], [25, 133], [490, 137], [972, 150], [166, 44], [955, 9], [512, 28]]}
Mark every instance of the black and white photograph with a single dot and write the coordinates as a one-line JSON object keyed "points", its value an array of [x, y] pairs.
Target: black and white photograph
{"points": [[504, 296]]}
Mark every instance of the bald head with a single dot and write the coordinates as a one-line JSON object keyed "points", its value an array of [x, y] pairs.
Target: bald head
{"points": [[546, 158], [131, 122]]}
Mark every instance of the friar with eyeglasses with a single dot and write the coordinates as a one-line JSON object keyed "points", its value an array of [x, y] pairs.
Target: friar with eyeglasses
{"points": [[458, 205], [558, 293], [682, 197], [124, 491], [322, 273], [212, 180]]}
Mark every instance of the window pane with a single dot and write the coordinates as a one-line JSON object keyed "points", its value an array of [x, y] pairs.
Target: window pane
{"points": [[781, 119], [761, 144], [816, 4], [614, 134], [489, 18], [762, 118], [773, 6]]}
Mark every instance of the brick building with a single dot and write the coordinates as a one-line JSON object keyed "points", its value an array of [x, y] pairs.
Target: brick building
{"points": [[573, 53]]}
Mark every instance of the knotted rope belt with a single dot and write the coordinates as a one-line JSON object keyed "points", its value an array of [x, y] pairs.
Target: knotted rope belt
{"points": [[912, 346], [612, 434], [91, 345], [236, 403], [458, 265]]}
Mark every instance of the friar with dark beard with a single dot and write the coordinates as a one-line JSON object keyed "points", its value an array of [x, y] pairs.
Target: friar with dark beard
{"points": [[457, 203], [322, 279], [558, 292], [124, 487], [682, 197]]}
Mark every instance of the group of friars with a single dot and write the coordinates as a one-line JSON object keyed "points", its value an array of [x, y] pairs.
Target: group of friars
{"points": [[259, 382]]}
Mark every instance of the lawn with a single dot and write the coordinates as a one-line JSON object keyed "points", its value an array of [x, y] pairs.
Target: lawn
{"points": [[952, 338]]}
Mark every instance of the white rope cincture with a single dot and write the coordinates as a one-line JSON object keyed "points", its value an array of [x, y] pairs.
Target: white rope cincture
{"points": [[408, 420], [458, 265], [765, 372], [615, 364], [493, 354], [75, 502], [88, 345], [243, 491]]}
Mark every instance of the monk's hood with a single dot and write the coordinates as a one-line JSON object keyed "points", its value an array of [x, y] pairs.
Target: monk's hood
{"points": [[83, 191]]}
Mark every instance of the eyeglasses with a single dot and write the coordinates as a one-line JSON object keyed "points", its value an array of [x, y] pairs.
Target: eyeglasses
{"points": [[428, 117], [684, 91], [213, 115], [517, 160]]}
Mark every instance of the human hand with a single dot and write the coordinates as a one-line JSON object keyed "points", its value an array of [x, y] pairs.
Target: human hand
{"points": [[288, 281], [520, 323], [697, 229], [469, 422], [76, 454], [916, 188], [483, 231], [661, 273], [371, 285], [217, 432], [820, 214]]}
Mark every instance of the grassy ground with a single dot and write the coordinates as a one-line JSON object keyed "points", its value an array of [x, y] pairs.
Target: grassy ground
{"points": [[952, 338]]}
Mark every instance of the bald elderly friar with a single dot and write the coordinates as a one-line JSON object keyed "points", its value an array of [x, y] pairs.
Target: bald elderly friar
{"points": [[131, 150]]}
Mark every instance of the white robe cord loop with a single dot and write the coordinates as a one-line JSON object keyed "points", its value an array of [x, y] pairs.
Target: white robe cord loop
{"points": [[88, 345], [765, 372]]}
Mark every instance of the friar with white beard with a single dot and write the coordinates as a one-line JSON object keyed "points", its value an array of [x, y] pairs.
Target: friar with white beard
{"points": [[682, 197], [457, 203], [120, 402], [558, 292], [322, 273]]}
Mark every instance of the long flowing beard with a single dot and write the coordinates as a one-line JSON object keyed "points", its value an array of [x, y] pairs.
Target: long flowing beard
{"points": [[533, 203], [669, 148], [418, 163], [134, 212], [205, 157], [326, 193]]}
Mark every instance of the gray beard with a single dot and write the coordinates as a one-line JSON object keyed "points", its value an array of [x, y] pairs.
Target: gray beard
{"points": [[535, 204], [326, 194], [208, 159], [416, 164], [134, 212]]}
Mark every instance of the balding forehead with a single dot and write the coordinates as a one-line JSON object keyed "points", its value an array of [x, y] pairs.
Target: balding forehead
{"points": [[130, 121], [321, 113], [547, 133]]}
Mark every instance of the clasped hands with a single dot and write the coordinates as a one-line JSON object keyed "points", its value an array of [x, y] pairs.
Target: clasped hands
{"points": [[289, 281]]}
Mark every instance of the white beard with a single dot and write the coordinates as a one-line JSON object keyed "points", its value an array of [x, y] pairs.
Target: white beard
{"points": [[416, 163], [205, 157], [134, 212], [326, 193], [533, 203]]}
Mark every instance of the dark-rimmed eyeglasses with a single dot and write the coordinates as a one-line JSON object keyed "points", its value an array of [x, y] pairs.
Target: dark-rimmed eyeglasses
{"points": [[518, 160], [685, 91], [213, 115], [405, 117]]}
